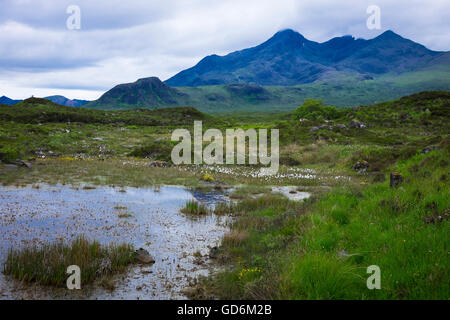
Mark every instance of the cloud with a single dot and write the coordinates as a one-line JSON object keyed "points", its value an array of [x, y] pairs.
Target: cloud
{"points": [[121, 41]]}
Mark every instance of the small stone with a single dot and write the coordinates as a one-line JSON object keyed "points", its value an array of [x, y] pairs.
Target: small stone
{"points": [[143, 256], [428, 149], [214, 252], [159, 164]]}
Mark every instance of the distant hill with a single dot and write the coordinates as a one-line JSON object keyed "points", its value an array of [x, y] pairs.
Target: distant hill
{"points": [[144, 93], [289, 59], [344, 92], [8, 101], [56, 99], [39, 110], [66, 102]]}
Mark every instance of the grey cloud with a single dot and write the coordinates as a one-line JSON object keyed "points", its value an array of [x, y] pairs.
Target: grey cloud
{"points": [[121, 41]]}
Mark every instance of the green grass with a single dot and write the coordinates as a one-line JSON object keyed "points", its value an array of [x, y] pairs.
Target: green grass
{"points": [[279, 249], [194, 207], [321, 249], [47, 264]]}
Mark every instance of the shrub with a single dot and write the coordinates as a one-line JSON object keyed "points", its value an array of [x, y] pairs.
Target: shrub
{"points": [[313, 109], [155, 149]]}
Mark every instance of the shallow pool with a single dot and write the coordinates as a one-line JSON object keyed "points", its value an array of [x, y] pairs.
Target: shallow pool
{"points": [[145, 217]]}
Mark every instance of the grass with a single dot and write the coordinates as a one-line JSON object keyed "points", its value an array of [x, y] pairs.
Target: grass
{"points": [[194, 207], [47, 264], [321, 249], [280, 249]]}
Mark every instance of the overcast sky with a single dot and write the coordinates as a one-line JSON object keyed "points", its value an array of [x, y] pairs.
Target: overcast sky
{"points": [[121, 41]]}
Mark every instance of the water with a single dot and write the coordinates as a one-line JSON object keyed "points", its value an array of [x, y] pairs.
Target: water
{"points": [[30, 216]]}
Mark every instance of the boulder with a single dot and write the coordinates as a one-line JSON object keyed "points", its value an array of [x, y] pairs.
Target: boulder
{"points": [[314, 129], [325, 126], [357, 124], [428, 149], [361, 166], [341, 126], [23, 163], [142, 256], [404, 116]]}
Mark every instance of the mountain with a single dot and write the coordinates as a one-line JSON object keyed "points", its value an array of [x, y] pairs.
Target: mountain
{"points": [[8, 101], [56, 99], [144, 93], [287, 69], [345, 92], [66, 102], [288, 58]]}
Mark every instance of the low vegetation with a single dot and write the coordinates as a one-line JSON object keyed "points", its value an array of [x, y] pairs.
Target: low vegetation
{"points": [[47, 264], [279, 249], [321, 249], [195, 207]]}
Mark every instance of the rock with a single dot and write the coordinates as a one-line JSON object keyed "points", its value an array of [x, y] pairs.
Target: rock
{"points": [[395, 179], [24, 164], [341, 126], [357, 124], [428, 149], [142, 256], [214, 252], [159, 164], [404, 116], [10, 166], [361, 166], [436, 218], [314, 129], [324, 126], [343, 254]]}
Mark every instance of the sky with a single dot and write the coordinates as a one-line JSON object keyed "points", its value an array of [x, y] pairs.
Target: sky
{"points": [[121, 41]]}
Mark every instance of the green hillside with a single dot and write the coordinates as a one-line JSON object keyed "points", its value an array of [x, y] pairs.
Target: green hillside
{"points": [[343, 91]]}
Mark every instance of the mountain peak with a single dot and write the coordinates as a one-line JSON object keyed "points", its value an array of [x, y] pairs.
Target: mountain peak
{"points": [[155, 80], [287, 35], [389, 34]]}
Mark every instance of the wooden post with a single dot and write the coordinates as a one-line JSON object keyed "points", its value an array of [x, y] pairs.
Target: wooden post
{"points": [[395, 179]]}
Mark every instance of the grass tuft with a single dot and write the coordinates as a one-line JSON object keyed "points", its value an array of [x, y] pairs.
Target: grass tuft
{"points": [[48, 263], [195, 207]]}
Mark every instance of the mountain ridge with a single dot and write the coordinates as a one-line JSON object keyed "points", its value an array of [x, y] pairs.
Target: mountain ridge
{"points": [[288, 58], [58, 99]]}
